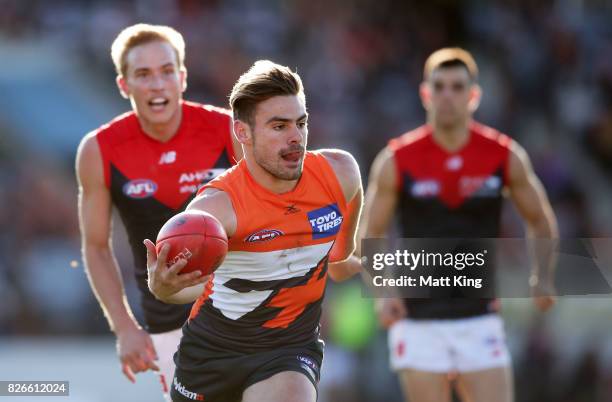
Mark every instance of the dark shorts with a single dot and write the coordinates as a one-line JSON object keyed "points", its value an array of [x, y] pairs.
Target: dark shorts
{"points": [[211, 374]]}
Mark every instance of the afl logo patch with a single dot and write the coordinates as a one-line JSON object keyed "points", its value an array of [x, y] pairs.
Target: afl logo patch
{"points": [[140, 188], [325, 221], [264, 235]]}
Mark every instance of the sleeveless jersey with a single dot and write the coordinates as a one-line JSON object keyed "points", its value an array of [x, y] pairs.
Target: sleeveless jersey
{"points": [[150, 181], [450, 195], [269, 289]]}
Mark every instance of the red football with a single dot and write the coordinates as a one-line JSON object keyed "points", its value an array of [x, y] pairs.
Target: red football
{"points": [[196, 236]]}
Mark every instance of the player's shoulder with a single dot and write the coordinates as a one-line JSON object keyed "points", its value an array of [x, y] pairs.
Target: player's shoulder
{"points": [[339, 159], [337, 156], [345, 168], [115, 131], [412, 139], [207, 112], [490, 136], [88, 147]]}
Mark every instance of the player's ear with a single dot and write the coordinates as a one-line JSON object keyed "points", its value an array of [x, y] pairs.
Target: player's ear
{"points": [[425, 94], [183, 78], [475, 96], [242, 131], [122, 85]]}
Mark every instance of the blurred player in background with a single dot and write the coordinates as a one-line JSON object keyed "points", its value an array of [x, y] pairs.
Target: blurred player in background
{"points": [[148, 163], [254, 334], [446, 179]]}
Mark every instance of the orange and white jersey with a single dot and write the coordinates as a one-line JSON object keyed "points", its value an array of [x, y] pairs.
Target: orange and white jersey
{"points": [[269, 289]]}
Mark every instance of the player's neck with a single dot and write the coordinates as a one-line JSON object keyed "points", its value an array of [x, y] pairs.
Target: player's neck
{"points": [[267, 180], [452, 138], [163, 132]]}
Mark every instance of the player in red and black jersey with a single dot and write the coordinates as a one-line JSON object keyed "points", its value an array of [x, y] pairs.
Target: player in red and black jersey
{"points": [[147, 163], [447, 179]]}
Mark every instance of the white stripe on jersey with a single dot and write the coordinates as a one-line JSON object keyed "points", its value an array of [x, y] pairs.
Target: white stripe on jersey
{"points": [[260, 266]]}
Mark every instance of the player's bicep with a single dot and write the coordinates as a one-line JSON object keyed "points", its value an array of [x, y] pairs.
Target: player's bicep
{"points": [[94, 201], [345, 242], [218, 204], [526, 189], [381, 196]]}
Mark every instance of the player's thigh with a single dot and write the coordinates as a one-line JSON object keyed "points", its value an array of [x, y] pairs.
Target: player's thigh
{"points": [[286, 386], [495, 384], [424, 386]]}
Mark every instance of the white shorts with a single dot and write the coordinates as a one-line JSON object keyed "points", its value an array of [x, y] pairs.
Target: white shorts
{"points": [[166, 344], [455, 345]]}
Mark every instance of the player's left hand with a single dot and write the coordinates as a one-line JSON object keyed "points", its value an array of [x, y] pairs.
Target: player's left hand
{"points": [[544, 296], [164, 281]]}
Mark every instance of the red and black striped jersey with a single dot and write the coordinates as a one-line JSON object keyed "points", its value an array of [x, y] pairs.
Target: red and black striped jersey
{"points": [[450, 195], [150, 181]]}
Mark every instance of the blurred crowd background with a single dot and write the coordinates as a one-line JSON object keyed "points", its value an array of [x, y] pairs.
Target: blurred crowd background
{"points": [[546, 73]]}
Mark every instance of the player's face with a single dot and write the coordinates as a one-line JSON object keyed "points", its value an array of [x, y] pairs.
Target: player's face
{"points": [[153, 82], [279, 135], [450, 92]]}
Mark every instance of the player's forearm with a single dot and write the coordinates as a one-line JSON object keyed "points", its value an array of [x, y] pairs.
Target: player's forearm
{"points": [[542, 236], [343, 270], [107, 285]]}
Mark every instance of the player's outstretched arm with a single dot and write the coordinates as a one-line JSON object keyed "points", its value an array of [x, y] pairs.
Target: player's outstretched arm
{"points": [[167, 283], [135, 347], [529, 197]]}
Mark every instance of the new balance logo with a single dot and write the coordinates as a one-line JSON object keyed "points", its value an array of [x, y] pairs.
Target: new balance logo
{"points": [[167, 158]]}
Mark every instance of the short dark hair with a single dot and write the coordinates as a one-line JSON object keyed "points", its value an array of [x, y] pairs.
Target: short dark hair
{"points": [[451, 57], [262, 81]]}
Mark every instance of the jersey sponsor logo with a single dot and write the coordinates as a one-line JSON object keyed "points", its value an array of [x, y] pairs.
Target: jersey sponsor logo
{"points": [[263, 235], [325, 221], [167, 158], [140, 188], [200, 175], [479, 186], [425, 188], [191, 188], [180, 388]]}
